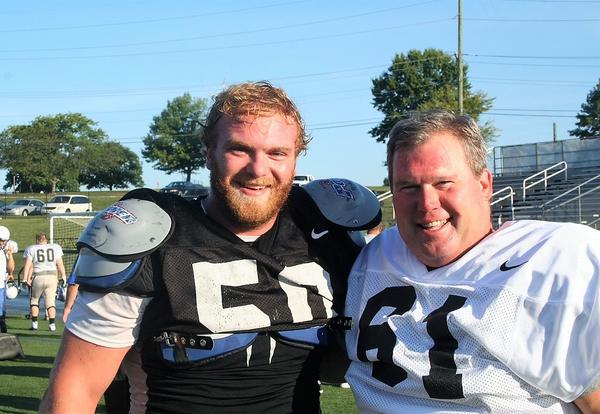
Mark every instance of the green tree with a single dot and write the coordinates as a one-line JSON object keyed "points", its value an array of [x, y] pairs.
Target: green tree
{"points": [[588, 119], [424, 80], [120, 167], [49, 152], [21, 184], [172, 143]]}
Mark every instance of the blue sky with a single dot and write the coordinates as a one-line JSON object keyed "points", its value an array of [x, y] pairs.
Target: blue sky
{"points": [[119, 62]]}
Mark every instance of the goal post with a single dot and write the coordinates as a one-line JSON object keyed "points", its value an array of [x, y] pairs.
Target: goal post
{"points": [[65, 230]]}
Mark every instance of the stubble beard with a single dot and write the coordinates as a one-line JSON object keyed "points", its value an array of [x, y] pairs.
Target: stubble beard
{"points": [[245, 212]]}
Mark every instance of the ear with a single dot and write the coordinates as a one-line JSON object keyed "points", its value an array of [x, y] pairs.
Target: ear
{"points": [[486, 181]]}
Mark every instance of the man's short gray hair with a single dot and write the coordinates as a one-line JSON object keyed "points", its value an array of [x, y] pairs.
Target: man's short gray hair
{"points": [[417, 127]]}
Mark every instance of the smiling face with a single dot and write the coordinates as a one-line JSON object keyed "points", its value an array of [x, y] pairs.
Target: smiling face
{"points": [[252, 167], [442, 207]]}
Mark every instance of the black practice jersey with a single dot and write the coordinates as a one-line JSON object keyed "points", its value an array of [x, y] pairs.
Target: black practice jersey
{"points": [[206, 281]]}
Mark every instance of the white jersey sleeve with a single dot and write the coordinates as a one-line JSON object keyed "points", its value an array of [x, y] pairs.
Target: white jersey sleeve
{"points": [[28, 253], [3, 273], [14, 247], [107, 319], [511, 326]]}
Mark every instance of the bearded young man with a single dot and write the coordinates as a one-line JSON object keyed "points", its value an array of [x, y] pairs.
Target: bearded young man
{"points": [[226, 299]]}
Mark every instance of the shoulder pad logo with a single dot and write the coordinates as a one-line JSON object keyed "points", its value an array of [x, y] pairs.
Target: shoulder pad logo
{"points": [[119, 212], [341, 188]]}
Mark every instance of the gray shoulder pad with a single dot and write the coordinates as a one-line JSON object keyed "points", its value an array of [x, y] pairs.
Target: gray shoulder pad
{"points": [[127, 228], [345, 203], [113, 245], [100, 274]]}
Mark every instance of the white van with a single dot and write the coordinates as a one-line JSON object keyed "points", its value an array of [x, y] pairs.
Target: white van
{"points": [[300, 180], [67, 203]]}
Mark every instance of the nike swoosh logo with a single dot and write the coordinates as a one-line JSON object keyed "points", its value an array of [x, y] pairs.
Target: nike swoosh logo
{"points": [[504, 267], [317, 236]]}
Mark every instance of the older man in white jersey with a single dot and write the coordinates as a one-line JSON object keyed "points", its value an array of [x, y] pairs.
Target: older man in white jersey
{"points": [[43, 263], [451, 316]]}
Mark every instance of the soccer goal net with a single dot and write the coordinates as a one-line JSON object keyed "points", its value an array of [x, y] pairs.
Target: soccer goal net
{"points": [[65, 230]]}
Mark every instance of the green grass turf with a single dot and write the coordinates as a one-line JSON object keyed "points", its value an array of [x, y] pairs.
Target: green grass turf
{"points": [[23, 381], [336, 400]]}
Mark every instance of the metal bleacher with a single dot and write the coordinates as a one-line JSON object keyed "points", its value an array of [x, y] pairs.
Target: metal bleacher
{"points": [[553, 181]]}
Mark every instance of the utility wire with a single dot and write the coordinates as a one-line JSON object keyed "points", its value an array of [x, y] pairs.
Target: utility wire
{"points": [[486, 19], [534, 56], [556, 1], [164, 19], [145, 91], [213, 48], [335, 74], [373, 121], [545, 81], [228, 34], [527, 115], [533, 64], [534, 110]]}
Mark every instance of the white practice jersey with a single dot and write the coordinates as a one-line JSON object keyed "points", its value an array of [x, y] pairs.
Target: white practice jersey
{"points": [[3, 273], [43, 257], [510, 327], [11, 246]]}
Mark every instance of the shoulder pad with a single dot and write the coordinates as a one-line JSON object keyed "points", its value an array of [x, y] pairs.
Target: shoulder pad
{"points": [[345, 203], [127, 229], [100, 274], [113, 245]]}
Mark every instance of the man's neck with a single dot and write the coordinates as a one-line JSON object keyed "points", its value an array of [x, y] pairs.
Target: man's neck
{"points": [[212, 210], [430, 268]]}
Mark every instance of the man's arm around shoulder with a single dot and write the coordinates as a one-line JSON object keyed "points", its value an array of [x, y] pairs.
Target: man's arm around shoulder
{"points": [[82, 371]]}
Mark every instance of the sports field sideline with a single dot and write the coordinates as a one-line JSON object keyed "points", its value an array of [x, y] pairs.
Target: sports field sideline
{"points": [[23, 381]]}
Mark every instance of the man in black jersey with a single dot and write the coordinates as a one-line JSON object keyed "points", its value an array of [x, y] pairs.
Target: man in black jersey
{"points": [[226, 313]]}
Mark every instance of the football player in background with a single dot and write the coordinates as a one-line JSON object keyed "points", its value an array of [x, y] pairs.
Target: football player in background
{"points": [[225, 299], [373, 232], [43, 265], [451, 316], [7, 268]]}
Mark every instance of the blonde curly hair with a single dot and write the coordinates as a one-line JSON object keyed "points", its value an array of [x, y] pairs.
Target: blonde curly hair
{"points": [[258, 99]]}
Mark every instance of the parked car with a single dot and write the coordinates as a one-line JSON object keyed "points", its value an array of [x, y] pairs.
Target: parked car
{"points": [[302, 179], [179, 187], [23, 207], [67, 203], [194, 193]]}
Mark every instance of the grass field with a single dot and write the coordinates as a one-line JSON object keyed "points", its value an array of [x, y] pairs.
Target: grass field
{"points": [[23, 381]]}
